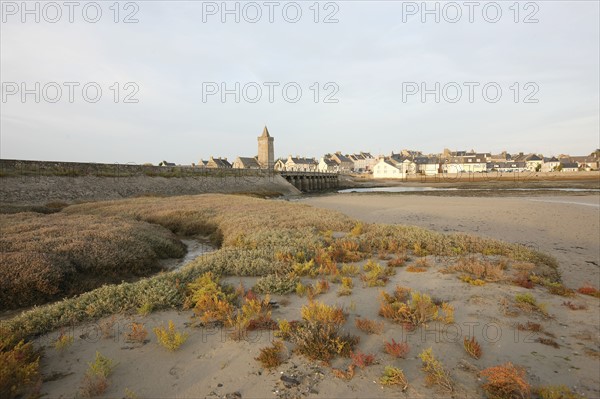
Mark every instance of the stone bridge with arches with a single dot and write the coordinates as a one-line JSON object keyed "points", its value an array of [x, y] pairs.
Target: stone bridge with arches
{"points": [[311, 181]]}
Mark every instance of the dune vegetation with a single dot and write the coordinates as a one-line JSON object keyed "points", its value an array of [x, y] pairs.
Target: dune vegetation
{"points": [[273, 239], [278, 241]]}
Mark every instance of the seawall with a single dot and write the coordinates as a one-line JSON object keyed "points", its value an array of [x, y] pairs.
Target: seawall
{"points": [[38, 182]]}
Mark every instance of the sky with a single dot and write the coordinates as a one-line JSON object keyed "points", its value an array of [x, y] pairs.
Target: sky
{"points": [[184, 80]]}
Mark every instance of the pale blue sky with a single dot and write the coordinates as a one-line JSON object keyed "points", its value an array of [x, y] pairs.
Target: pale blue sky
{"points": [[368, 54]]}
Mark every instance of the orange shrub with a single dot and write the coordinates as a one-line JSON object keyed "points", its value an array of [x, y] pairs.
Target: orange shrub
{"points": [[396, 349], [506, 381]]}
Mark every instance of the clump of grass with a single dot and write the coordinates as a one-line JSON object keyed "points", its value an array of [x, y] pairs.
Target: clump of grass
{"points": [[357, 229], [479, 269], [399, 260], [107, 327], [574, 306], [393, 376], [170, 338], [344, 374], [530, 326], [271, 356], [63, 341], [301, 289], [375, 275], [306, 268], [129, 394], [318, 336], [208, 300], [505, 381], [396, 349], [472, 347], [417, 310], [556, 392], [435, 372], [95, 380], [19, 368], [321, 286], [254, 314], [523, 279], [362, 360], [276, 284], [420, 249], [548, 341], [471, 280], [346, 288], [349, 270], [137, 333], [416, 269], [589, 290], [145, 309], [528, 303], [369, 326]]}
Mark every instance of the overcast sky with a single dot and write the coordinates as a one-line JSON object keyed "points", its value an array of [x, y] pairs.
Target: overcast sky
{"points": [[372, 61]]}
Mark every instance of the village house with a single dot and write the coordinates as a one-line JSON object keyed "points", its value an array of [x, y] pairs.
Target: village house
{"points": [[506, 167], [550, 164], [246, 163], [218, 163], [533, 161], [567, 166], [327, 166], [363, 161], [388, 169], [428, 166], [586, 162], [345, 164], [408, 165], [297, 164]]}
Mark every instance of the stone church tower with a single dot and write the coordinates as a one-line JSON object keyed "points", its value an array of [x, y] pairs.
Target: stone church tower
{"points": [[266, 154]]}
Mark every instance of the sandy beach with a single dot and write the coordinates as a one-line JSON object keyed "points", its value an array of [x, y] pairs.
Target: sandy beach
{"points": [[556, 342], [567, 227]]}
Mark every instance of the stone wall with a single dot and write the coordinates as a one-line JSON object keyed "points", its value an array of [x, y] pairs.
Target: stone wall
{"points": [[33, 182]]}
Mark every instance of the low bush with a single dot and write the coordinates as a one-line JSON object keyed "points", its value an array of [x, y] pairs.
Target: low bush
{"points": [[369, 326], [318, 336], [63, 341], [271, 356], [375, 275], [472, 347], [19, 368], [589, 290], [394, 376], [95, 380], [506, 381], [417, 310], [208, 300], [556, 392], [276, 284], [170, 338], [396, 349], [528, 303], [137, 333], [349, 270], [346, 288], [361, 360], [479, 269], [435, 372]]}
